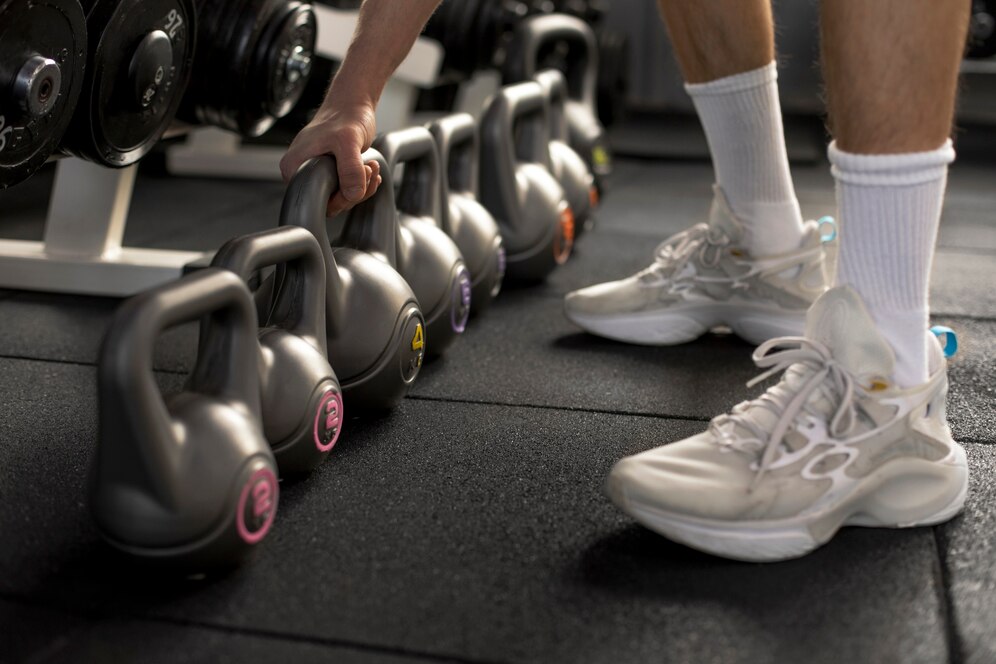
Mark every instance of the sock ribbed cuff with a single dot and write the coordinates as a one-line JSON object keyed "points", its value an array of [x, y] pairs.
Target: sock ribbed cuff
{"points": [[755, 78], [904, 169]]}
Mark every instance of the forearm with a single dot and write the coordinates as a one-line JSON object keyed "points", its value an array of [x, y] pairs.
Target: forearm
{"points": [[386, 31]]}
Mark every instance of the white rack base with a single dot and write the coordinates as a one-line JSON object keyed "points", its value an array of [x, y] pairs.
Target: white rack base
{"points": [[81, 252]]}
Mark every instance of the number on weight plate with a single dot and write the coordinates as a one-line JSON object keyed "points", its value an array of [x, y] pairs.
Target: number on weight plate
{"points": [[173, 22], [4, 132]]}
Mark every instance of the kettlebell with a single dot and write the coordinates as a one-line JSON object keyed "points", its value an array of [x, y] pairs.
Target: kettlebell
{"points": [[517, 187], [374, 327], [567, 165], [426, 256], [469, 223], [538, 34], [188, 479], [299, 393]]}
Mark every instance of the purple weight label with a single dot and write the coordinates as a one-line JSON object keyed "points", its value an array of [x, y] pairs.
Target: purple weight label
{"points": [[460, 309]]}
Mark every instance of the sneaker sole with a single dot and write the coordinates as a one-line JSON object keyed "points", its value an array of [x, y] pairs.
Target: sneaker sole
{"points": [[900, 494], [754, 324]]}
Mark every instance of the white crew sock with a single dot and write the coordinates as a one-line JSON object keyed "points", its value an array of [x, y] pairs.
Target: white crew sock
{"points": [[743, 125], [889, 208]]}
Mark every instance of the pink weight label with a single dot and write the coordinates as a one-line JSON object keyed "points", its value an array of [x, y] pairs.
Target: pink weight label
{"points": [[328, 421], [257, 506]]}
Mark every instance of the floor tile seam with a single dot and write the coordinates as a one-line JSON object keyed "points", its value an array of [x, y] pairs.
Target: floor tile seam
{"points": [[565, 409], [95, 618], [322, 641], [942, 583], [621, 413], [974, 318], [80, 363], [975, 441]]}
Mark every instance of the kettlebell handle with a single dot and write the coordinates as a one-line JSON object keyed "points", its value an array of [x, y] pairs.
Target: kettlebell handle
{"points": [[227, 364], [526, 108], [300, 294], [538, 31], [419, 192], [456, 138], [555, 86]]}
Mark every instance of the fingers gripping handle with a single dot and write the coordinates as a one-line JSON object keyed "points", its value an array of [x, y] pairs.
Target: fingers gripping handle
{"points": [[372, 226]]}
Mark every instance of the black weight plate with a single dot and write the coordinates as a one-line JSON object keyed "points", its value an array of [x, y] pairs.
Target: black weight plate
{"points": [[243, 109], [220, 80], [982, 30], [613, 75], [213, 81], [54, 29], [112, 126], [289, 35], [208, 82]]}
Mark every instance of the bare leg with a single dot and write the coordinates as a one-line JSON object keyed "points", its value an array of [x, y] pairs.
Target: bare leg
{"points": [[719, 38], [891, 69]]}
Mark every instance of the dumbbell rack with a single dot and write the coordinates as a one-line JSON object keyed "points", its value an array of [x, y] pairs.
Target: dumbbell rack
{"points": [[82, 250], [214, 153]]}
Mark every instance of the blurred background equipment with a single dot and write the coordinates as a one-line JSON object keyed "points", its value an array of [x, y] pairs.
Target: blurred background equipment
{"points": [[43, 50], [140, 56], [254, 63], [982, 30]]}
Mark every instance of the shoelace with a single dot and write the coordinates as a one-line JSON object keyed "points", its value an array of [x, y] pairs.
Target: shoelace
{"points": [[673, 253], [787, 402]]}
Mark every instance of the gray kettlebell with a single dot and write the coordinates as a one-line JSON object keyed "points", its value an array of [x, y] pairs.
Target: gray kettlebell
{"points": [[374, 326], [469, 223], [523, 62], [190, 479], [567, 165], [517, 187], [426, 257], [300, 395]]}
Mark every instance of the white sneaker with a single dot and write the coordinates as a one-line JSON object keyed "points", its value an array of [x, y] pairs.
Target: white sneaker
{"points": [[701, 278], [831, 444]]}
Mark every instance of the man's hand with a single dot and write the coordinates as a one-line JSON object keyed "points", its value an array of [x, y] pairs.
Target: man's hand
{"points": [[344, 130]]}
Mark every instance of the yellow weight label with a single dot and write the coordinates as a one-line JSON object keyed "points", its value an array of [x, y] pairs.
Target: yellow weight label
{"points": [[418, 341], [599, 155]]}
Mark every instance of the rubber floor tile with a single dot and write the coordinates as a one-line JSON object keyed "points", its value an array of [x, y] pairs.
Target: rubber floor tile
{"points": [[465, 531]]}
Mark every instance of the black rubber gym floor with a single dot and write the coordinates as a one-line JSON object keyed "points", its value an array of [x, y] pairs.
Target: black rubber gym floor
{"points": [[470, 526]]}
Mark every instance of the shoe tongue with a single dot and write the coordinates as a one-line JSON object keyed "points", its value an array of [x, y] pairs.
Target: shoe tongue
{"points": [[721, 217], [839, 320]]}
